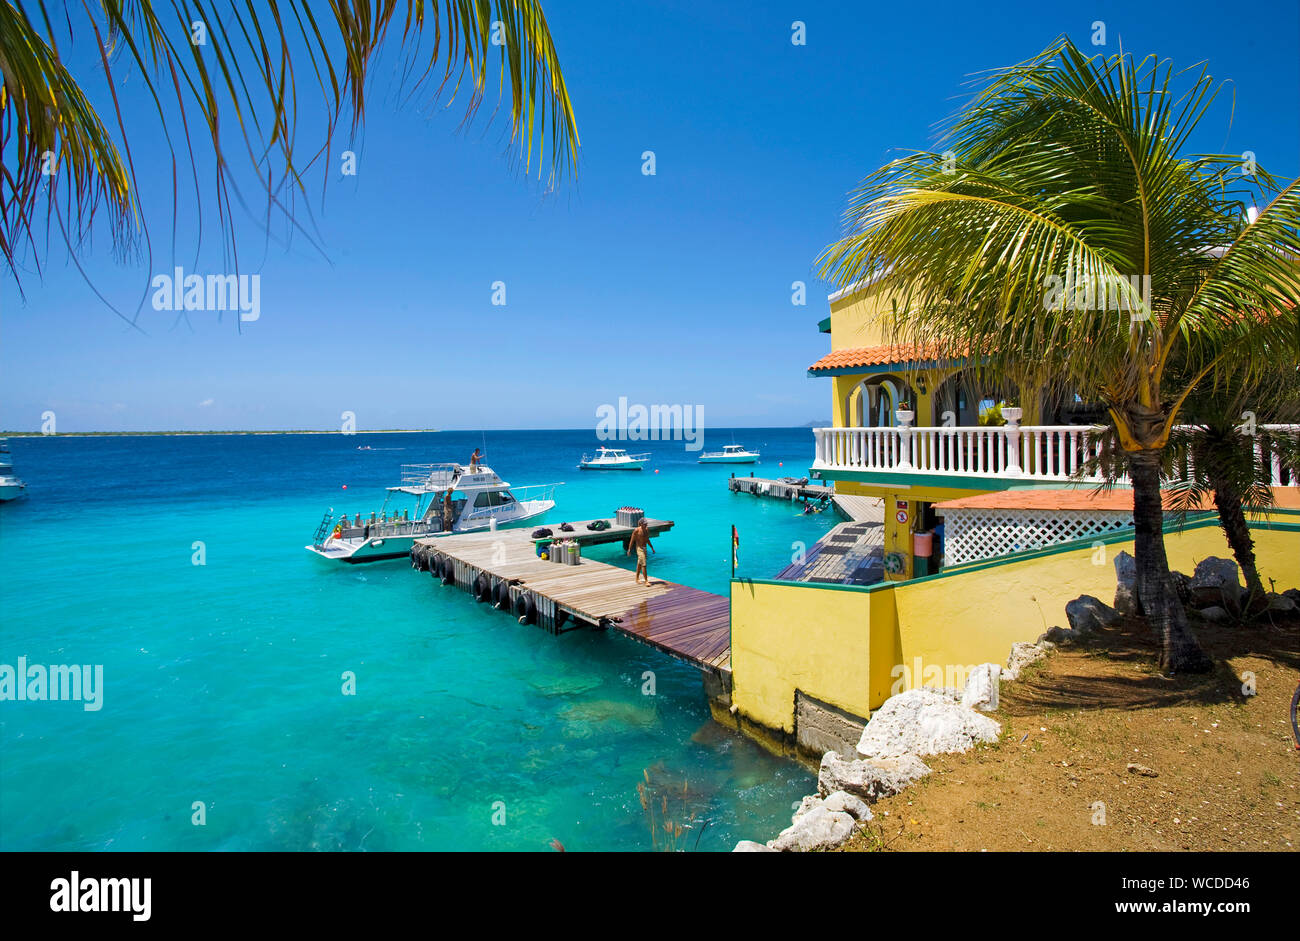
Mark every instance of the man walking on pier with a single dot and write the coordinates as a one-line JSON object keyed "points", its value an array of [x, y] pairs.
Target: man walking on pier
{"points": [[639, 540]]}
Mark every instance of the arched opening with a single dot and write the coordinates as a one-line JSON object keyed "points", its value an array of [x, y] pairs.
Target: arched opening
{"points": [[873, 401], [956, 399]]}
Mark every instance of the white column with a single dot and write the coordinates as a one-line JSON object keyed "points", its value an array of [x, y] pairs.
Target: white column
{"points": [[905, 435], [1013, 433]]}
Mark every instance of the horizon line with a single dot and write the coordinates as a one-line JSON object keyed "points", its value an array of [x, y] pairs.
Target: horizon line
{"points": [[326, 431]]}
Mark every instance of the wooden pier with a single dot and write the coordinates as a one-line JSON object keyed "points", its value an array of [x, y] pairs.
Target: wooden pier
{"points": [[860, 509], [779, 489], [850, 508], [502, 568], [850, 554]]}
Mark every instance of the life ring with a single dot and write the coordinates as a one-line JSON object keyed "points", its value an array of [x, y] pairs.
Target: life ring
{"points": [[525, 607], [338, 533], [482, 588]]}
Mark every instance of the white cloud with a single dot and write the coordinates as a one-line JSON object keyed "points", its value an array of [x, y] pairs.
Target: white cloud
{"points": [[206, 402]]}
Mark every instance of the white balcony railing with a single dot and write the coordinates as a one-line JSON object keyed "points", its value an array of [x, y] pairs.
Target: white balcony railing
{"points": [[1012, 451]]}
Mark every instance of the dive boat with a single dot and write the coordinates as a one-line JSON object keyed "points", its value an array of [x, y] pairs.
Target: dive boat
{"points": [[730, 454], [11, 488], [613, 459], [449, 498]]}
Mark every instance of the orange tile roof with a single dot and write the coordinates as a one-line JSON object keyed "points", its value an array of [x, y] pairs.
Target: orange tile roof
{"points": [[1283, 497], [888, 354]]}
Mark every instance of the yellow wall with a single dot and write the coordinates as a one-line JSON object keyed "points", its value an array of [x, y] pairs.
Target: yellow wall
{"points": [[840, 645], [865, 319], [786, 637], [860, 320]]}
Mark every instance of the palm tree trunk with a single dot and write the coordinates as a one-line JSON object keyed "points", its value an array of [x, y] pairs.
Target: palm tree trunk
{"points": [[1233, 520], [1157, 597]]}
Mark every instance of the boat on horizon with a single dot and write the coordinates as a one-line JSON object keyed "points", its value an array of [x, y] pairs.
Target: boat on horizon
{"points": [[613, 459], [11, 488], [730, 454], [449, 498]]}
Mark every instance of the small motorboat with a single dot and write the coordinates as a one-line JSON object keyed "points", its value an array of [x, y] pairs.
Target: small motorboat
{"points": [[613, 459], [730, 454], [11, 488]]}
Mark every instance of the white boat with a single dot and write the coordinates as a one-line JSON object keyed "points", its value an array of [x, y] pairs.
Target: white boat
{"points": [[448, 498], [730, 454], [613, 459], [11, 488]]}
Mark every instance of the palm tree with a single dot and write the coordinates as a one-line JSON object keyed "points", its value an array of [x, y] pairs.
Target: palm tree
{"points": [[1061, 223], [243, 76], [1220, 457], [1220, 453]]}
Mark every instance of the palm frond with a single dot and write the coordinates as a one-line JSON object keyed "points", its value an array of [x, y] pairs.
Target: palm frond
{"points": [[1063, 172], [246, 76]]}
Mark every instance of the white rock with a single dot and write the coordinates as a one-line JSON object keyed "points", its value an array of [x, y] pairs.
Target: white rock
{"points": [[808, 803], [1022, 654], [923, 722], [819, 829], [844, 802], [948, 692], [981, 690], [749, 846], [869, 780]]}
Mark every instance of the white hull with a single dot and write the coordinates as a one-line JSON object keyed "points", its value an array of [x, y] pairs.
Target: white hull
{"points": [[11, 490], [393, 547], [729, 459], [612, 465]]}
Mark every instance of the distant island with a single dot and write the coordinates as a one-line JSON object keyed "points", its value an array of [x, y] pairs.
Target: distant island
{"points": [[145, 434], [817, 424]]}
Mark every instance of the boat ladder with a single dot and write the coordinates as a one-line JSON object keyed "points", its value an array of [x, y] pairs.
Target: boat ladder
{"points": [[326, 526]]}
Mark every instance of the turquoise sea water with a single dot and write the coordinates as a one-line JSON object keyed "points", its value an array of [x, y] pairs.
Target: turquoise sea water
{"points": [[223, 681]]}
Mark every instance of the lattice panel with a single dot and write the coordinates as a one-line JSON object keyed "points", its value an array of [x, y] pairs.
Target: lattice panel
{"points": [[974, 534]]}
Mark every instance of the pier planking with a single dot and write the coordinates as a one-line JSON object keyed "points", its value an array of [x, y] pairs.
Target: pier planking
{"points": [[683, 622]]}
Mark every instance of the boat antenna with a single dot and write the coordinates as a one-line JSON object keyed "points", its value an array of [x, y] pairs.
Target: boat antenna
{"points": [[484, 434]]}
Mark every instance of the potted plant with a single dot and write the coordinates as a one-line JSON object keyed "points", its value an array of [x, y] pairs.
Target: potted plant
{"points": [[1011, 411], [904, 413]]}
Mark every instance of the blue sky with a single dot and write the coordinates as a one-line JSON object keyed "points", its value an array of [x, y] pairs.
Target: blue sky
{"points": [[673, 288]]}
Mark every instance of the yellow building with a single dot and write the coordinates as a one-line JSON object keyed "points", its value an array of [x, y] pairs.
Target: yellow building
{"points": [[935, 448], [810, 660]]}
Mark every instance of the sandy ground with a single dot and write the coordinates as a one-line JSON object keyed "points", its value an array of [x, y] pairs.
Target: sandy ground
{"points": [[1219, 768]]}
